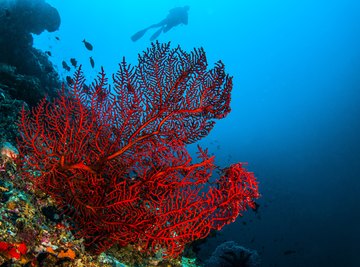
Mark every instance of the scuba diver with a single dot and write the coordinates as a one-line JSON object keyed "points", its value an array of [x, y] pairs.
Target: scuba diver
{"points": [[176, 16]]}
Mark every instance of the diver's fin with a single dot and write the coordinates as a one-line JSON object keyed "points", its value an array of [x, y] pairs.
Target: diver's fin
{"points": [[138, 35], [156, 34]]}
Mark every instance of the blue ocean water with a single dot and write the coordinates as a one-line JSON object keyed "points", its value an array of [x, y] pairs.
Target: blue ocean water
{"points": [[295, 108]]}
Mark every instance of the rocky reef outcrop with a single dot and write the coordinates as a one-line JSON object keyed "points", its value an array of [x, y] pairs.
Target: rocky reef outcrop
{"points": [[26, 74]]}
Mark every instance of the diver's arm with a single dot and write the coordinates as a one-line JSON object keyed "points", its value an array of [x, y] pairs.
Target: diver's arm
{"points": [[175, 10]]}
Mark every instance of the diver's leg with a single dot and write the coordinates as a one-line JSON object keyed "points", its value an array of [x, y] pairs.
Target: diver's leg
{"points": [[156, 34], [160, 24], [141, 33], [167, 28]]}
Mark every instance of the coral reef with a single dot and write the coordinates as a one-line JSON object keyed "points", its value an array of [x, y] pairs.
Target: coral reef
{"points": [[34, 233], [25, 72], [9, 110], [27, 236], [117, 163], [123, 176], [230, 254]]}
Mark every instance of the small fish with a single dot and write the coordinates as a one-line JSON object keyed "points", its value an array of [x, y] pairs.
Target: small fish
{"points": [[86, 89], [48, 53], [7, 13], [88, 45], [92, 62], [289, 252], [256, 207], [73, 62], [57, 38], [65, 66], [69, 80], [49, 69]]}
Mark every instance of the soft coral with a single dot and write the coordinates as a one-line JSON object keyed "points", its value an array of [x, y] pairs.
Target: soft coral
{"points": [[116, 162]]}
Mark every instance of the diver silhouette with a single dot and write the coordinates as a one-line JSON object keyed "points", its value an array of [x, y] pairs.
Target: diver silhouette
{"points": [[176, 16]]}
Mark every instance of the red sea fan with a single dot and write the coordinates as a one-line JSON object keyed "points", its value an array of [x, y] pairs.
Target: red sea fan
{"points": [[115, 160]]}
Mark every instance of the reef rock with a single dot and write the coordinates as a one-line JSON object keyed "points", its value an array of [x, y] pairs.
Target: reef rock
{"points": [[230, 254], [19, 19]]}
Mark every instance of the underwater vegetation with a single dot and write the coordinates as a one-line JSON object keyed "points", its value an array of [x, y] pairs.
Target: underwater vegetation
{"points": [[114, 157]]}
